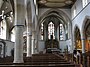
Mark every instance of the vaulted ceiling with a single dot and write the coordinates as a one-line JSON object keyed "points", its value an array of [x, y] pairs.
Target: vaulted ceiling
{"points": [[55, 3]]}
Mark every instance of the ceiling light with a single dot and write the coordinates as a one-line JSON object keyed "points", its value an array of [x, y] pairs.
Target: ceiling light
{"points": [[68, 2], [56, 0], [42, 1], [55, 4]]}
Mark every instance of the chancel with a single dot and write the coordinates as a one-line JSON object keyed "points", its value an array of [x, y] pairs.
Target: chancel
{"points": [[51, 43], [45, 33]]}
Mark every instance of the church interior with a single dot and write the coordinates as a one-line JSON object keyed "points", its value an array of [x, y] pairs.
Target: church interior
{"points": [[45, 33]]}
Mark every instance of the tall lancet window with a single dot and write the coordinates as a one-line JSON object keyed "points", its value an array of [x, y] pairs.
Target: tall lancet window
{"points": [[42, 31], [51, 31], [61, 32]]}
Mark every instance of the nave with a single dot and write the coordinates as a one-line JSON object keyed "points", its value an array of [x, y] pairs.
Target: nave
{"points": [[41, 60], [32, 26]]}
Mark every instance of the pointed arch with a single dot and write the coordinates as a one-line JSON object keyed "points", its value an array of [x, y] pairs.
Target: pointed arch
{"points": [[84, 22], [57, 16], [86, 32], [56, 12]]}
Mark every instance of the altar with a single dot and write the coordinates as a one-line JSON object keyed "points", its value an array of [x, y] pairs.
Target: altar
{"points": [[51, 43]]}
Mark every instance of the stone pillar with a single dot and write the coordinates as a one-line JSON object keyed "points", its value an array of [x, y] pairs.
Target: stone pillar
{"points": [[69, 30], [18, 48], [7, 29], [83, 49], [29, 28], [37, 49], [33, 45], [33, 42], [83, 42], [83, 52], [83, 45], [19, 26], [72, 40], [33, 48], [29, 39]]}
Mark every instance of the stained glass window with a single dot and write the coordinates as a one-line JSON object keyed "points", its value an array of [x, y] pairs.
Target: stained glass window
{"points": [[42, 31], [51, 30], [61, 32]]}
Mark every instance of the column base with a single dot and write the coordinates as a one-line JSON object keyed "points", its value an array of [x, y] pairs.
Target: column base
{"points": [[29, 56], [18, 61]]}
